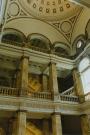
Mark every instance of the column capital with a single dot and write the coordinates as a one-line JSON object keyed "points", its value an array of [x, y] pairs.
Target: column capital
{"points": [[22, 111], [55, 113], [24, 56], [52, 62]]}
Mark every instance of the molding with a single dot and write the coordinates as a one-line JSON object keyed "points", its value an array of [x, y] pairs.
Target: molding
{"points": [[10, 103]]}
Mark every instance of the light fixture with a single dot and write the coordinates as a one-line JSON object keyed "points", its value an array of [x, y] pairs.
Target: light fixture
{"points": [[79, 43]]}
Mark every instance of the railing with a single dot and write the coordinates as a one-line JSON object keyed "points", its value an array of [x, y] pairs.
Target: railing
{"points": [[68, 92], [87, 97], [27, 45], [7, 91], [69, 98], [61, 55], [12, 42], [40, 95], [39, 49]]}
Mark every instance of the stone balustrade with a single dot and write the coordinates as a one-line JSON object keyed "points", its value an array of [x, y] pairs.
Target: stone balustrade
{"points": [[7, 91], [40, 95], [12, 43], [69, 98], [69, 91]]}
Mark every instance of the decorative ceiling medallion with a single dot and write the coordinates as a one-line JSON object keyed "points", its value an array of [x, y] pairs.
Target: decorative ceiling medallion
{"points": [[66, 26], [13, 9], [49, 9]]}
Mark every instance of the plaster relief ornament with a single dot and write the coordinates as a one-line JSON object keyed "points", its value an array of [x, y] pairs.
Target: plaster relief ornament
{"points": [[49, 10]]}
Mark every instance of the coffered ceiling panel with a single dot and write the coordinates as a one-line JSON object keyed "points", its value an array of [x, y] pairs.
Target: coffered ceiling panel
{"points": [[50, 10]]}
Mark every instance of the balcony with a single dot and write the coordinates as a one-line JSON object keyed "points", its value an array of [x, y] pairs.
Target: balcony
{"points": [[15, 92], [12, 100]]}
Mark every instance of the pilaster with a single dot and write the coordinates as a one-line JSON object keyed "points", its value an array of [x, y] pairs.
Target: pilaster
{"points": [[19, 126], [85, 124]]}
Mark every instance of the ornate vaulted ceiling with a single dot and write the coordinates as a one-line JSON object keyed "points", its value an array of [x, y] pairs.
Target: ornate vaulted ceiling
{"points": [[50, 10], [59, 21]]}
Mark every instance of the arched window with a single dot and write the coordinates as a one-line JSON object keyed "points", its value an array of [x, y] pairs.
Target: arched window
{"points": [[84, 69]]}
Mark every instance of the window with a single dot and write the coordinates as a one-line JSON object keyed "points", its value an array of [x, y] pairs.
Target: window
{"points": [[84, 69]]}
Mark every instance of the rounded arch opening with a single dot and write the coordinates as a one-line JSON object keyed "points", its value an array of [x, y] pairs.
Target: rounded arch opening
{"points": [[39, 41], [61, 49], [87, 29], [13, 37]]}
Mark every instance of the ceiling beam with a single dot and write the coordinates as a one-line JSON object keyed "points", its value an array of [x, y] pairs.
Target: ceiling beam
{"points": [[82, 2]]}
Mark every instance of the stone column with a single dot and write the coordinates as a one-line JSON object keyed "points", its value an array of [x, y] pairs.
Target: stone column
{"points": [[53, 84], [46, 127], [24, 75], [44, 83], [56, 124], [78, 85], [85, 124], [19, 126]]}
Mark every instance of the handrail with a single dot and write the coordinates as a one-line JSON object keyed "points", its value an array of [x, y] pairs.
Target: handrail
{"points": [[40, 95], [12, 42], [39, 49], [68, 92], [69, 98], [8, 91], [28, 46]]}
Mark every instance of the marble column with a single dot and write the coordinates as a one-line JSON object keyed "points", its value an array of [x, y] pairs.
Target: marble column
{"points": [[44, 83], [78, 85], [46, 127], [19, 126], [56, 124], [24, 75], [53, 84], [85, 124]]}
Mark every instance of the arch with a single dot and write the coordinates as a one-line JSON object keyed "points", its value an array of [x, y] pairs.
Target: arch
{"points": [[13, 35], [87, 29], [36, 26], [62, 48], [40, 38]]}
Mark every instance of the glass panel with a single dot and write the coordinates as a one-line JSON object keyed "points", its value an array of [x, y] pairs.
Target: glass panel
{"points": [[84, 64], [85, 76]]}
